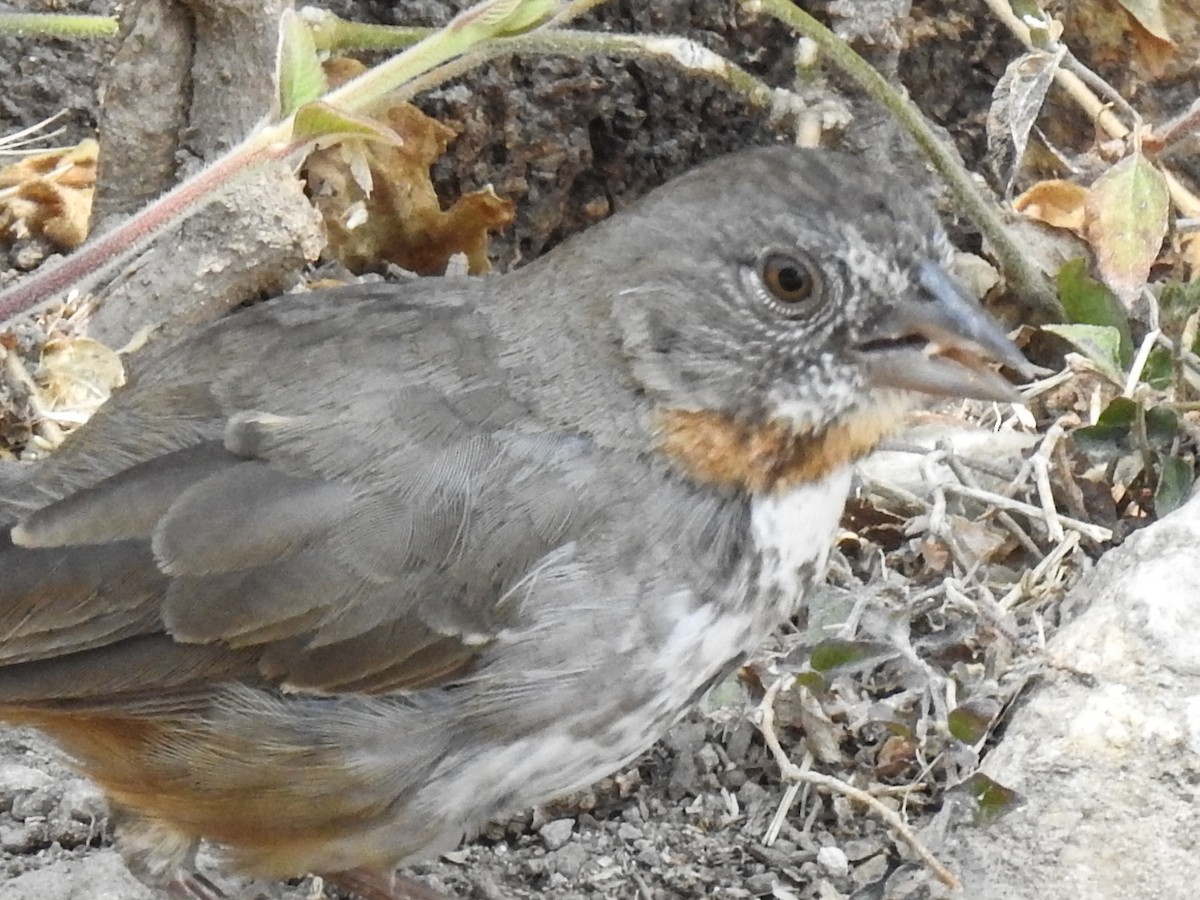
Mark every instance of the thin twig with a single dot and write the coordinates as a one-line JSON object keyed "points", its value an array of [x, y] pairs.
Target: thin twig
{"points": [[1183, 125], [688, 55], [1139, 362], [959, 468], [1038, 574], [1087, 529], [1041, 478], [794, 774]]}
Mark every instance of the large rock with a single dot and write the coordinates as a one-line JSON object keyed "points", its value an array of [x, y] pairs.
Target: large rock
{"points": [[1105, 749]]}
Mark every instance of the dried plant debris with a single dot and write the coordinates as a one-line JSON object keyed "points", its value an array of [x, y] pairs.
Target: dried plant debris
{"points": [[1149, 37], [379, 204], [52, 379], [49, 196]]}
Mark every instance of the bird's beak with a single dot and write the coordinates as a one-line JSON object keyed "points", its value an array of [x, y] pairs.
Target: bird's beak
{"points": [[942, 344]]}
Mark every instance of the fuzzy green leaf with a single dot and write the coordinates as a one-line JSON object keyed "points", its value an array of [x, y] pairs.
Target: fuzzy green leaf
{"points": [[299, 77], [1099, 343]]}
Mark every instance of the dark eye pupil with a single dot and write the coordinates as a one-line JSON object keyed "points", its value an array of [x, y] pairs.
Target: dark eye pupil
{"points": [[791, 280]]}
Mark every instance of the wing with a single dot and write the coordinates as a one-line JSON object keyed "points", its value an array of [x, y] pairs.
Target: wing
{"points": [[320, 494]]}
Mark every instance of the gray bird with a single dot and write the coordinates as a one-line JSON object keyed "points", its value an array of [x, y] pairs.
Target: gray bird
{"points": [[339, 578]]}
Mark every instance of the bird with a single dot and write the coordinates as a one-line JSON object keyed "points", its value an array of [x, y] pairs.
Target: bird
{"points": [[332, 582]]}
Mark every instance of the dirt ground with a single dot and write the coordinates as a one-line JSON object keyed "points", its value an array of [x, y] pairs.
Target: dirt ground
{"points": [[689, 819]]}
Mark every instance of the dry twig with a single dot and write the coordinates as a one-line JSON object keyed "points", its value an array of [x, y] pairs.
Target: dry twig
{"points": [[796, 775]]}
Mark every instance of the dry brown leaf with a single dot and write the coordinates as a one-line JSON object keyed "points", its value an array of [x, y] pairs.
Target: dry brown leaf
{"points": [[936, 553], [380, 206], [49, 195], [1189, 253], [76, 375], [1141, 36], [897, 754], [981, 541], [1155, 53], [1149, 14], [1056, 202]]}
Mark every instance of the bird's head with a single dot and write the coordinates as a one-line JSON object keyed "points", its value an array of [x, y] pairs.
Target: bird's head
{"points": [[789, 304]]}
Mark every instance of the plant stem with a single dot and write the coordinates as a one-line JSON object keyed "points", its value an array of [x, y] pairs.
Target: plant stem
{"points": [[474, 40], [57, 26]]}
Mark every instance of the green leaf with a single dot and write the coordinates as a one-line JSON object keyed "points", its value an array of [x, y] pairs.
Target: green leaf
{"points": [[1112, 435], [994, 799], [1179, 299], [1125, 220], [1175, 480], [813, 681], [299, 77], [1030, 11], [1089, 302], [1162, 427], [502, 18], [320, 120], [1159, 370], [970, 722], [1099, 343], [834, 653]]}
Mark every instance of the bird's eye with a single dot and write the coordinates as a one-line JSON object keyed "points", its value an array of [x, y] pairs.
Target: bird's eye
{"points": [[790, 280]]}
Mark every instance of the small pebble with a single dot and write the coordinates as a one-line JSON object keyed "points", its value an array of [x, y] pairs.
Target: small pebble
{"points": [[570, 860], [833, 861], [707, 759], [556, 834], [83, 802], [33, 804], [627, 832]]}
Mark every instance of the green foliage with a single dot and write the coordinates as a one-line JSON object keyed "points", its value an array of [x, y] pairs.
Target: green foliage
{"points": [[1099, 328], [834, 653], [1099, 343], [993, 798], [1175, 482], [1113, 434], [1088, 301], [970, 722]]}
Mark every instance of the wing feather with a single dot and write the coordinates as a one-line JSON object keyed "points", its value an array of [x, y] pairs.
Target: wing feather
{"points": [[353, 514]]}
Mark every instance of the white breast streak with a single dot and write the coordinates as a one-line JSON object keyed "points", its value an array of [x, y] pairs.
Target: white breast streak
{"points": [[795, 529]]}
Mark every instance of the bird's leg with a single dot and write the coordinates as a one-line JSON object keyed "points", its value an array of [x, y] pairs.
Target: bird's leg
{"points": [[195, 887], [371, 885], [160, 856]]}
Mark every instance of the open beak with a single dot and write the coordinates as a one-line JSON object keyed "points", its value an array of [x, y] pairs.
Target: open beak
{"points": [[943, 345]]}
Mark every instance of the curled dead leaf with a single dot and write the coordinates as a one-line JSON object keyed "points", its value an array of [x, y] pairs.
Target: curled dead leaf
{"points": [[1150, 15], [49, 195], [1058, 203], [76, 376], [1016, 103], [380, 205]]}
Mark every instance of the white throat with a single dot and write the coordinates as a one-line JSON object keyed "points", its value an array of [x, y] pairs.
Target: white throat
{"points": [[794, 531]]}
